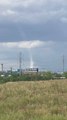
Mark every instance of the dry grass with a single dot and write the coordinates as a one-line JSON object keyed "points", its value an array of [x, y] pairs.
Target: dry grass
{"points": [[34, 100]]}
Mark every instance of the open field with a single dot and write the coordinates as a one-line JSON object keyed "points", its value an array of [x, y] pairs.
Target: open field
{"points": [[34, 100]]}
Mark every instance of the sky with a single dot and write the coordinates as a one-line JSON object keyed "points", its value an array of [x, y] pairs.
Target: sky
{"points": [[37, 29]]}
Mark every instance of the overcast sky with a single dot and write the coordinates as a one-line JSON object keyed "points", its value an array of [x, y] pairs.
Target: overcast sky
{"points": [[37, 28]]}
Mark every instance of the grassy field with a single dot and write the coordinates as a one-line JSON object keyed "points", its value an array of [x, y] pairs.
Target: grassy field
{"points": [[34, 100]]}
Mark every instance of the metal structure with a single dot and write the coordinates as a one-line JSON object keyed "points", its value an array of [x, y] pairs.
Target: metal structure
{"points": [[2, 68], [20, 62], [63, 63]]}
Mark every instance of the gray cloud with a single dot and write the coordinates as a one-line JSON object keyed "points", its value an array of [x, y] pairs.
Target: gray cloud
{"points": [[50, 31], [33, 20], [31, 10]]}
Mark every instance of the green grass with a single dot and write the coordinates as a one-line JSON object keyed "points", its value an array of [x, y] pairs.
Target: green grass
{"points": [[34, 100]]}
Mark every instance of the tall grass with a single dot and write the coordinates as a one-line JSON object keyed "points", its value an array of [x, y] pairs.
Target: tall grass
{"points": [[32, 100]]}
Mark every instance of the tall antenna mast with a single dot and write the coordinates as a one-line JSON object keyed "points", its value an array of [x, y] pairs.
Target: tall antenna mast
{"points": [[63, 63], [20, 62]]}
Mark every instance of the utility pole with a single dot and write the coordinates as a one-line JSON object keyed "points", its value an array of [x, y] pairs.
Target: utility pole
{"points": [[20, 62], [11, 70], [63, 63], [2, 68]]}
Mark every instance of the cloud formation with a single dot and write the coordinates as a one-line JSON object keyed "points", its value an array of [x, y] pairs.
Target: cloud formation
{"points": [[32, 10], [33, 20], [23, 44]]}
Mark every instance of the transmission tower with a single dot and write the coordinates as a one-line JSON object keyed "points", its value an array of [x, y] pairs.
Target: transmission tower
{"points": [[63, 63], [20, 62]]}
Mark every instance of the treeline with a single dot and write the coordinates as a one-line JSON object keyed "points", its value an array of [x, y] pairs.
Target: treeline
{"points": [[32, 76]]}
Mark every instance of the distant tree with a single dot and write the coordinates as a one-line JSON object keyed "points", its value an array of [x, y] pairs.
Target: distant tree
{"points": [[48, 75], [57, 75], [65, 74]]}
